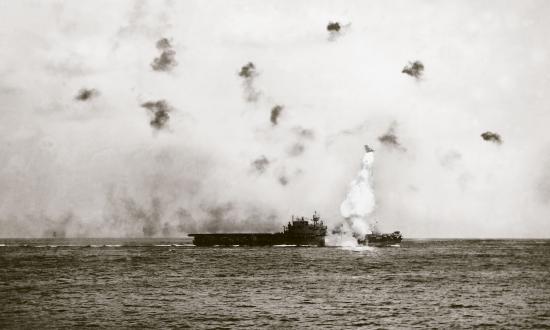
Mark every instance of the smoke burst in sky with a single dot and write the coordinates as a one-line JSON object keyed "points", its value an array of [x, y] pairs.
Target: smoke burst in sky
{"points": [[333, 29], [336, 30], [76, 172], [296, 149], [414, 69], [492, 137], [283, 180], [167, 59], [249, 74], [390, 138], [275, 113], [260, 164], [159, 111], [85, 94], [304, 133]]}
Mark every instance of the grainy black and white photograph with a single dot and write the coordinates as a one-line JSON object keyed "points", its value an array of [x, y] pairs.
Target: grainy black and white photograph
{"points": [[274, 164]]}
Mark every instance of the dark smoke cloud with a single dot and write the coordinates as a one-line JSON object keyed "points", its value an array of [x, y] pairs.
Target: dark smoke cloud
{"points": [[126, 213], [275, 113], [390, 139], [155, 197], [85, 94], [414, 69], [333, 27], [334, 30], [164, 44], [218, 217], [260, 164], [230, 217], [296, 149], [299, 147], [492, 137], [283, 180], [285, 175], [154, 218], [166, 230], [58, 227], [186, 222], [304, 133], [150, 220], [159, 110], [167, 59], [338, 229], [248, 73]]}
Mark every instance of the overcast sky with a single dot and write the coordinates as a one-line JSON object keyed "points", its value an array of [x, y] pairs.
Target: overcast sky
{"points": [[213, 156]]}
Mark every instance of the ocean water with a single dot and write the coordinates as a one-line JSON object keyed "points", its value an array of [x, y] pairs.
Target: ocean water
{"points": [[150, 283]]}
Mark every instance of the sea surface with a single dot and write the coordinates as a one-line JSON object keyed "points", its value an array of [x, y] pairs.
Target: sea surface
{"points": [[168, 283]]}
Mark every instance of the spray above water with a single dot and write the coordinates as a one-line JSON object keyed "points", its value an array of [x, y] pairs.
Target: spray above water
{"points": [[360, 201]]}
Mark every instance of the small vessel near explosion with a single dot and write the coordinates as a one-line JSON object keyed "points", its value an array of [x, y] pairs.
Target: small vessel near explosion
{"points": [[360, 203], [299, 232], [379, 239]]}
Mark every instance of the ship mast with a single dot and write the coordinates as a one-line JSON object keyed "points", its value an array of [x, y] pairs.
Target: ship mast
{"points": [[316, 218]]}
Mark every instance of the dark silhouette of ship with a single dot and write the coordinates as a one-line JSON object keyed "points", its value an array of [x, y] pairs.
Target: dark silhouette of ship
{"points": [[379, 239], [300, 232]]}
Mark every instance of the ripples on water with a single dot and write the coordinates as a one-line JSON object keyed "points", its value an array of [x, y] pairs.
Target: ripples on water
{"points": [[155, 284]]}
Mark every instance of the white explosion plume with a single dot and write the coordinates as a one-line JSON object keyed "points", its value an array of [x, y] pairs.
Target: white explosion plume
{"points": [[360, 201]]}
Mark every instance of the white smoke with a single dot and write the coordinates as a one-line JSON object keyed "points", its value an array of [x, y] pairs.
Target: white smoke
{"points": [[360, 201]]}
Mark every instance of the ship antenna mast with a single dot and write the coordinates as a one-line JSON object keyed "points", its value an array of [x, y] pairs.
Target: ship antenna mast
{"points": [[315, 218]]}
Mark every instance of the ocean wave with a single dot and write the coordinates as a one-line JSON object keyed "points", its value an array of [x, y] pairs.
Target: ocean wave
{"points": [[358, 248]]}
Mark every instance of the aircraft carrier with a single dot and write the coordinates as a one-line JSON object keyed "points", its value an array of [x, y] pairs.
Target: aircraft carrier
{"points": [[299, 231]]}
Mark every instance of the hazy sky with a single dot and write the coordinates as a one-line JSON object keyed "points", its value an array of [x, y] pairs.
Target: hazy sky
{"points": [[215, 157]]}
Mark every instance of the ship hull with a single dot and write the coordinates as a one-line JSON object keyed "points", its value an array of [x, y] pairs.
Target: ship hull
{"points": [[381, 240], [383, 243], [256, 239]]}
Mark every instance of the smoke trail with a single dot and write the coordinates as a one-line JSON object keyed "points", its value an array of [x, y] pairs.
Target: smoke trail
{"points": [[248, 73], [359, 202]]}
